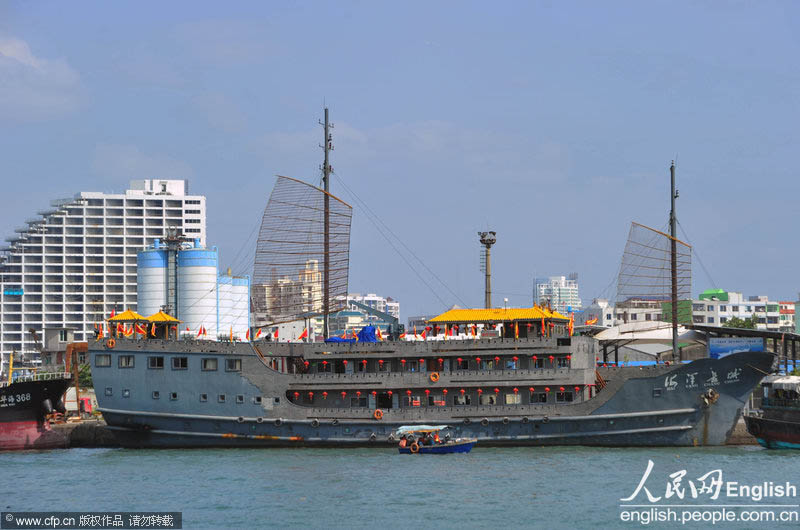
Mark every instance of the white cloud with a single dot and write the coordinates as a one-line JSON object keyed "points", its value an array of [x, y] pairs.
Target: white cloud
{"points": [[125, 161], [33, 88]]}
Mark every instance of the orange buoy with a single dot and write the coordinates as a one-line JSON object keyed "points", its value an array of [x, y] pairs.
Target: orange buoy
{"points": [[378, 414], [435, 376]]}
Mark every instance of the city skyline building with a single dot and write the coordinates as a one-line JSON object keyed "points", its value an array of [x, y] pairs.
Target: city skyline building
{"points": [[558, 292], [75, 263]]}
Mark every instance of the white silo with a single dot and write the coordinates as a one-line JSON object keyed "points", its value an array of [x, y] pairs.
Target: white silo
{"points": [[225, 322], [151, 278], [197, 290], [240, 305]]}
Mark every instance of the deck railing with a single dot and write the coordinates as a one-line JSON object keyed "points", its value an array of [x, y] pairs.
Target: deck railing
{"points": [[50, 376]]}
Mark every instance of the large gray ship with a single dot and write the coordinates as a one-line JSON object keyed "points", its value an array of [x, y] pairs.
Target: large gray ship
{"points": [[503, 391], [524, 379]]}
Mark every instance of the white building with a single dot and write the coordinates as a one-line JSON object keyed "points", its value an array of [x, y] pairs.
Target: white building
{"points": [[599, 313], [557, 292], [379, 303], [76, 261], [716, 306]]}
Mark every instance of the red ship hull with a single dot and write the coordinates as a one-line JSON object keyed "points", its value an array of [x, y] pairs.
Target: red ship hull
{"points": [[23, 414]]}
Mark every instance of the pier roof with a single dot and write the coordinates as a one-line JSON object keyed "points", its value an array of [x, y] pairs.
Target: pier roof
{"points": [[162, 317], [127, 316], [497, 314]]}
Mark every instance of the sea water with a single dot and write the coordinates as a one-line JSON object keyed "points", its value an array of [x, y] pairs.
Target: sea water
{"points": [[561, 487]]}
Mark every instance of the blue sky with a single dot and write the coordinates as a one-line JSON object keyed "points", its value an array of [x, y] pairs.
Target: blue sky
{"points": [[552, 123]]}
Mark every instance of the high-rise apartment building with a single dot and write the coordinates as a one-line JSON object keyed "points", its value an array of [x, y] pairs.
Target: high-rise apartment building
{"points": [[559, 292], [76, 262]]}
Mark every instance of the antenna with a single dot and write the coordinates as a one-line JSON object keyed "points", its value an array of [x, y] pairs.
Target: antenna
{"points": [[487, 240]]}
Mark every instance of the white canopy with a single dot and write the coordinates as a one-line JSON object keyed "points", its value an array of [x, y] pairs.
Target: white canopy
{"points": [[785, 382], [652, 332]]}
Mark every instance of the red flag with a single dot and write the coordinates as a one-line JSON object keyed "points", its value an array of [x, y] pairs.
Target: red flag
{"points": [[516, 330], [543, 331], [141, 329], [231, 334], [120, 328], [424, 331], [247, 335], [403, 335], [200, 331], [113, 312], [153, 329], [258, 333], [380, 336], [276, 334], [303, 335]]}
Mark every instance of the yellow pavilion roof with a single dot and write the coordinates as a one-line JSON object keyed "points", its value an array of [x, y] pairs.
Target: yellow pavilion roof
{"points": [[162, 317], [497, 314], [127, 316]]}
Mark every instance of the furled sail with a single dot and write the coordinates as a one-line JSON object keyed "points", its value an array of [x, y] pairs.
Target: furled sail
{"points": [[291, 254]]}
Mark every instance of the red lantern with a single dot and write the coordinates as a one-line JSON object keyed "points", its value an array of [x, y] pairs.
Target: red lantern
{"points": [[390, 393], [605, 365], [422, 361], [427, 391], [364, 362], [296, 395], [344, 394], [497, 359], [408, 392], [532, 389], [535, 358], [577, 389], [561, 389], [516, 390], [403, 362], [324, 395], [547, 389], [551, 358], [437, 329], [441, 361], [305, 363], [459, 360], [344, 362], [478, 359], [324, 363], [496, 390], [569, 357], [374, 393], [311, 395], [380, 362], [444, 391], [480, 391], [427, 328], [358, 393], [462, 390], [515, 358], [529, 326]]}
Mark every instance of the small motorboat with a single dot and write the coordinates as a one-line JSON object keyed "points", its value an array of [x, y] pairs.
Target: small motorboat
{"points": [[425, 439]]}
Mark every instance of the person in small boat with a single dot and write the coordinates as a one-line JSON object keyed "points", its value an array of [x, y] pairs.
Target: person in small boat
{"points": [[436, 438]]}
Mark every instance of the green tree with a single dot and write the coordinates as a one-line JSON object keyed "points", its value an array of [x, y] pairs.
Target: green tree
{"points": [[746, 323]]}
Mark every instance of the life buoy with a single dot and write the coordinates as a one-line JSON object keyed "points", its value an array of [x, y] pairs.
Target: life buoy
{"points": [[485, 422], [240, 419], [315, 422], [373, 437], [378, 415], [545, 419], [524, 419], [467, 421], [334, 421], [414, 448], [435, 376], [110, 343], [278, 422], [505, 421]]}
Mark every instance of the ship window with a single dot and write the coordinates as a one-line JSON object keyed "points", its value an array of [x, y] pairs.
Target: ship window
{"points": [[487, 365], [180, 363], [203, 397], [221, 398], [240, 399], [411, 401], [323, 367], [277, 401], [126, 361], [488, 399], [209, 364], [358, 402], [463, 399], [563, 397], [233, 365], [436, 400], [411, 366], [156, 394], [511, 364], [563, 362], [257, 400], [109, 391], [384, 366], [537, 363], [126, 393], [155, 363], [173, 396], [656, 392], [462, 365], [513, 399], [538, 397], [102, 359]]}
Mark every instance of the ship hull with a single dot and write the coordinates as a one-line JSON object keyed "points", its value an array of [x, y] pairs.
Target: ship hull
{"points": [[23, 423], [774, 433], [695, 404]]}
